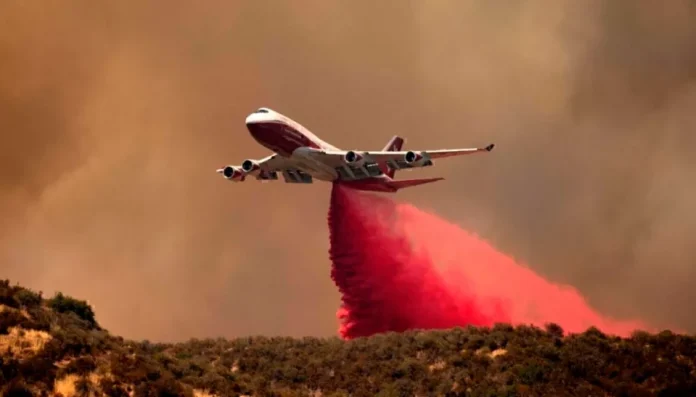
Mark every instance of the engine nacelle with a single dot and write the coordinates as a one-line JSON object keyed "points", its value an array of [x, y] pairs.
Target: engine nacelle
{"points": [[233, 173], [417, 159], [353, 158], [412, 157], [250, 166]]}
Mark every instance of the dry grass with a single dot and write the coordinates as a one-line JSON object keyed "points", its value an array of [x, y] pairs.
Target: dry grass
{"points": [[67, 385], [492, 354], [498, 352], [94, 378], [24, 312], [23, 343], [437, 366]]}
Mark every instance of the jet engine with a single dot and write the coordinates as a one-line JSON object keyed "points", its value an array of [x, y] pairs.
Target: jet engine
{"points": [[411, 157], [415, 159], [249, 166], [232, 173], [353, 158]]}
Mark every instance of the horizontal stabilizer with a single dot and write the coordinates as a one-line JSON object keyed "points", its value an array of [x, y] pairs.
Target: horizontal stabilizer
{"points": [[412, 182]]}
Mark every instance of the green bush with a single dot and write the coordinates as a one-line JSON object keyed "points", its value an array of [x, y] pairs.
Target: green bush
{"points": [[444, 363], [554, 330], [7, 295], [65, 304], [28, 298]]}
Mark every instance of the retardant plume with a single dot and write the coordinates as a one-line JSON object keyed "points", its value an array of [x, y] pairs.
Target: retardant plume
{"points": [[385, 263]]}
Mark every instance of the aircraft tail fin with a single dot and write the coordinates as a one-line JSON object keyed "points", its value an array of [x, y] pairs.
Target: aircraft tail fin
{"points": [[397, 185], [394, 145]]}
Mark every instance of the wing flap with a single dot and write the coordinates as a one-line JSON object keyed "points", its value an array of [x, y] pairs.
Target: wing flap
{"points": [[296, 176], [352, 173]]}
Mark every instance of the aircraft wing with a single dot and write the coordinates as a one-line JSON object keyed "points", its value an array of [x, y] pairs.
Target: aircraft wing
{"points": [[266, 169], [431, 154], [394, 159], [273, 162]]}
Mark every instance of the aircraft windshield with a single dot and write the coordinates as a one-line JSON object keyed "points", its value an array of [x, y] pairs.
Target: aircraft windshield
{"points": [[262, 110]]}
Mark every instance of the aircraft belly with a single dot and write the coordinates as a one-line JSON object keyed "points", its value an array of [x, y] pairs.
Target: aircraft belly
{"points": [[316, 172]]}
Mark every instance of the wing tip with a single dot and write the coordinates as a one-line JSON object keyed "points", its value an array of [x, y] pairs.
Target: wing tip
{"points": [[490, 147]]}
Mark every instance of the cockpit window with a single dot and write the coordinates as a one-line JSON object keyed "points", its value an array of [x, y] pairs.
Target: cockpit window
{"points": [[262, 110]]}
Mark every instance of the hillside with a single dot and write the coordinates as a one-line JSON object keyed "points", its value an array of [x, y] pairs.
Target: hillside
{"points": [[55, 347]]}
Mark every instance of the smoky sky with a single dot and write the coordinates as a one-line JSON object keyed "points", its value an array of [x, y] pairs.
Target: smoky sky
{"points": [[115, 115]]}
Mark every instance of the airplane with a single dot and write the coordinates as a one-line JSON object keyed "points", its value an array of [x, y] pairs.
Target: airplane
{"points": [[301, 157]]}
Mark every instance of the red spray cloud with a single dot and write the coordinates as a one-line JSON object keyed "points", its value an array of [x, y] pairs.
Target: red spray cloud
{"points": [[400, 268]]}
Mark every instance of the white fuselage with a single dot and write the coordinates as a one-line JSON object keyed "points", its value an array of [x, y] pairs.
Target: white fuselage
{"points": [[290, 139]]}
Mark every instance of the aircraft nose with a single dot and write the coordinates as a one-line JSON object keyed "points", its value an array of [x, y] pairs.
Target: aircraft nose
{"points": [[251, 119]]}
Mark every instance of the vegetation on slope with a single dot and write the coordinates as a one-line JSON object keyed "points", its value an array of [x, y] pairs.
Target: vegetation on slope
{"points": [[55, 347]]}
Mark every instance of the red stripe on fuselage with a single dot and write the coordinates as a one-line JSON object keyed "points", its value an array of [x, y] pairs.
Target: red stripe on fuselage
{"points": [[280, 137]]}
